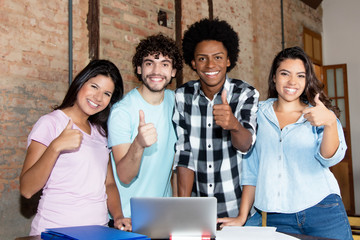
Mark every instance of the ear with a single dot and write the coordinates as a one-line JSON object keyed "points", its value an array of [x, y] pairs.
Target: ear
{"points": [[274, 78], [138, 70], [193, 64], [173, 72], [228, 63]]}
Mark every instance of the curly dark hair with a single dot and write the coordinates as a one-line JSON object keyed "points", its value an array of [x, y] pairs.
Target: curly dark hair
{"points": [[155, 45], [207, 29], [313, 84], [93, 69]]}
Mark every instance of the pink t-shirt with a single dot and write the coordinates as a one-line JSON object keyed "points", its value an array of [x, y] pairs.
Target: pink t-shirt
{"points": [[75, 192]]}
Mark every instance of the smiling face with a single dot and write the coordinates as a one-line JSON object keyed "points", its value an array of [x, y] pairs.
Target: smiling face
{"points": [[211, 62], [290, 80], [95, 95], [156, 72]]}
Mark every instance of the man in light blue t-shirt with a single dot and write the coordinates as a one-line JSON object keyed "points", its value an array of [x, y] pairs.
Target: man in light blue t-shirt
{"points": [[141, 133]]}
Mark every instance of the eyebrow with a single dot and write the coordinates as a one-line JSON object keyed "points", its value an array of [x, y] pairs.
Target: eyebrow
{"points": [[203, 54], [150, 60], [289, 71]]}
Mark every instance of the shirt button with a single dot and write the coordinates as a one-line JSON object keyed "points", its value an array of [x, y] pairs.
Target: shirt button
{"points": [[209, 146], [279, 175], [280, 139], [210, 166], [209, 125], [210, 185]]}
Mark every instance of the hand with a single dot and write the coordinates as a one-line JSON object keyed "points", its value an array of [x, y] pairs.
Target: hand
{"points": [[223, 114], [319, 115], [69, 139], [147, 134], [123, 224], [230, 221]]}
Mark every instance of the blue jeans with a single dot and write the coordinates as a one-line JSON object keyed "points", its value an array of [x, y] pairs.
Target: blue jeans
{"points": [[326, 219], [254, 220]]}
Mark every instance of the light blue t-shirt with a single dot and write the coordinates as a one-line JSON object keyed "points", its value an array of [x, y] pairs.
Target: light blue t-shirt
{"points": [[286, 166], [153, 179]]}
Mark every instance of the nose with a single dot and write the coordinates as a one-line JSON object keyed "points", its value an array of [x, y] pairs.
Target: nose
{"points": [[292, 80], [210, 63], [98, 96], [156, 69]]}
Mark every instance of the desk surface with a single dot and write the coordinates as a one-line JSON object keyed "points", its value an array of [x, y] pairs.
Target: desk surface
{"points": [[300, 236]]}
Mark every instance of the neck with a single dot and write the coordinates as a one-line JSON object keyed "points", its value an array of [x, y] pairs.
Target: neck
{"points": [[210, 91], [281, 105], [153, 98]]}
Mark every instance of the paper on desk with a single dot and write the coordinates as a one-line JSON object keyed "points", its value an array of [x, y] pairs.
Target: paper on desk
{"points": [[251, 233]]}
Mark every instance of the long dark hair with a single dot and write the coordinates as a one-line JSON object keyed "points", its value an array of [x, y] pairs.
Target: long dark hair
{"points": [[93, 69], [313, 84]]}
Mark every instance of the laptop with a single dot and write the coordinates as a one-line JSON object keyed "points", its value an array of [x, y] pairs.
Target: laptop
{"points": [[165, 217]]}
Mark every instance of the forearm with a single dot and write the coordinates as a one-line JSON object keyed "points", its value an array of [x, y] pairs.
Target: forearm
{"points": [[330, 141], [241, 138], [127, 167], [185, 181], [113, 201], [247, 200], [34, 178]]}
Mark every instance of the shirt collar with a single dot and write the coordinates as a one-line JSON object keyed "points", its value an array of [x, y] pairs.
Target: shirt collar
{"points": [[199, 92]]}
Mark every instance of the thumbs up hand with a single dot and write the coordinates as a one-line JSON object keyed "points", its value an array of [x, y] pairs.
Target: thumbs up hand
{"points": [[223, 114], [69, 139], [147, 134], [319, 115]]}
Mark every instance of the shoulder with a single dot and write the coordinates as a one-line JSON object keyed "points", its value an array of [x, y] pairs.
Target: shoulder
{"points": [[241, 85], [190, 86], [56, 117]]}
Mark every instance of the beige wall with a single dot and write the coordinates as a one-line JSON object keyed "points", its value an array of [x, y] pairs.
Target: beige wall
{"points": [[341, 38], [34, 62]]}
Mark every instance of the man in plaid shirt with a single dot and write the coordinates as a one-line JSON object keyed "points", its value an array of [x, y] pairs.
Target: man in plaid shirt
{"points": [[215, 118]]}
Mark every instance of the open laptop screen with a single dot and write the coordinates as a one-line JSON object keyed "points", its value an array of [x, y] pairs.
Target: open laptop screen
{"points": [[162, 217]]}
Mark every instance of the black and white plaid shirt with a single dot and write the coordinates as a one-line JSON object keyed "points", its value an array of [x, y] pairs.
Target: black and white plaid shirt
{"points": [[206, 148]]}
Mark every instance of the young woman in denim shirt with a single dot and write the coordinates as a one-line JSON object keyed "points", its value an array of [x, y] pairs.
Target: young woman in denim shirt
{"points": [[299, 137]]}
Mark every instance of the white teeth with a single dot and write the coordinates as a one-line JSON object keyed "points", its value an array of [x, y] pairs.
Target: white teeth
{"points": [[291, 90], [93, 104], [211, 73]]}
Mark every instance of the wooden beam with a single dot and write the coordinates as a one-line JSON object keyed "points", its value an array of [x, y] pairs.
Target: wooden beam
{"points": [[94, 29]]}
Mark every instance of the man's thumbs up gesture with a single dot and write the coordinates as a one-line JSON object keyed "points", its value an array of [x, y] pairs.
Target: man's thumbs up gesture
{"points": [[147, 134], [223, 114], [319, 115]]}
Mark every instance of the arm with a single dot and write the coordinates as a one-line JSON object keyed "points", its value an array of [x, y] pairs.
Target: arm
{"points": [[40, 160], [174, 183], [114, 203], [128, 156], [247, 200], [185, 181], [321, 116]]}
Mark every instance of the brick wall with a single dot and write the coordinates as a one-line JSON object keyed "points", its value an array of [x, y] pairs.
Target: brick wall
{"points": [[34, 62]]}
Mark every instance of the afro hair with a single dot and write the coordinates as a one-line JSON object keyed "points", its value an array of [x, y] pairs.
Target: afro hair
{"points": [[206, 29]]}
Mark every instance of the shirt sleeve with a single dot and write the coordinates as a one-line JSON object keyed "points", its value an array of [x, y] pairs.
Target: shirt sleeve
{"points": [[183, 155], [44, 131], [246, 112], [250, 168], [340, 152], [119, 126]]}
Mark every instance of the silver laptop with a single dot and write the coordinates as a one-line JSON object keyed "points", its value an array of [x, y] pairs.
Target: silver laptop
{"points": [[161, 218]]}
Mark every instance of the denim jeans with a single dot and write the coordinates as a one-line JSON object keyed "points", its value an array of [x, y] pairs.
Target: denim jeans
{"points": [[326, 219], [254, 220]]}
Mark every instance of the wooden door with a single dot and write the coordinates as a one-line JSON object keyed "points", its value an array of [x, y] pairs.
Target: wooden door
{"points": [[335, 80]]}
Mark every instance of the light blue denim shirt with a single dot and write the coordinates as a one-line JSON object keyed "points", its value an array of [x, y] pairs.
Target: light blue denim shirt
{"points": [[286, 166]]}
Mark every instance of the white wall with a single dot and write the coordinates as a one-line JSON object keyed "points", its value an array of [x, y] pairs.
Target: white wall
{"points": [[341, 44]]}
